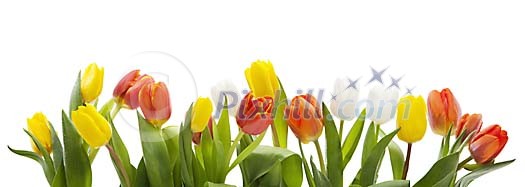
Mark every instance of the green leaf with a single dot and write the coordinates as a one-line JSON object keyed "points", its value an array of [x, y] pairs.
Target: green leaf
{"points": [[191, 171], [49, 167], [397, 158], [28, 154], [442, 172], [309, 176], [58, 152], [211, 184], [373, 162], [280, 125], [272, 166], [222, 130], [155, 154], [369, 142], [445, 145], [394, 183], [60, 177], [76, 161], [171, 138], [319, 178], [468, 178], [141, 180], [76, 97], [208, 156], [122, 153], [247, 151], [352, 138], [334, 156]]}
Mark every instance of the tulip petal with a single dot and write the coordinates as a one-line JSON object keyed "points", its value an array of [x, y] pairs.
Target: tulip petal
{"points": [[87, 129]]}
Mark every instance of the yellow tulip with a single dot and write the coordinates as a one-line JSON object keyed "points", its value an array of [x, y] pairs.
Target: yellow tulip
{"points": [[201, 114], [91, 125], [91, 82], [411, 118], [39, 127], [262, 79]]}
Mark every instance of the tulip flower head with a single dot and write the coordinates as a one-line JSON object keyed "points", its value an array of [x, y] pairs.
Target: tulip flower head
{"points": [[305, 118], [469, 123], [382, 104], [488, 143], [91, 125], [262, 79], [39, 127], [154, 101], [91, 82], [443, 111], [411, 118], [201, 114], [228, 89], [343, 105], [127, 90], [255, 114]]}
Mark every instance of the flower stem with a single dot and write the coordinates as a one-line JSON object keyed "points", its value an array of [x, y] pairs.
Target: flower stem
{"points": [[92, 154], [320, 155], [341, 130], [119, 165], [309, 176], [116, 110], [234, 145], [463, 163], [407, 162]]}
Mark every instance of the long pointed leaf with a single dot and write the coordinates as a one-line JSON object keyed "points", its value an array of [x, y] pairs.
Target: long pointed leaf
{"points": [[280, 126], [373, 162], [76, 161], [352, 139], [333, 150], [440, 172], [468, 178]]}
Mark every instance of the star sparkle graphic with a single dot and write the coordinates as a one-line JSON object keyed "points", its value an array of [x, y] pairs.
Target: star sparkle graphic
{"points": [[377, 75]]}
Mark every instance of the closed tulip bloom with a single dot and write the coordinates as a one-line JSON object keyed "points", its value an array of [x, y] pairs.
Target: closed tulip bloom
{"points": [[343, 105], [255, 114], [154, 101], [127, 90], [91, 82], [411, 118], [201, 114], [196, 138], [222, 88], [91, 125], [487, 144], [382, 104], [469, 123], [443, 111], [262, 79], [39, 127], [305, 118]]}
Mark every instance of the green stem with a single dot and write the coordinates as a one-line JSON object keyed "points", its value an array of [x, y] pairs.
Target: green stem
{"points": [[119, 165], [234, 146], [92, 154], [341, 130], [116, 110], [407, 162], [320, 155], [309, 176], [463, 163]]}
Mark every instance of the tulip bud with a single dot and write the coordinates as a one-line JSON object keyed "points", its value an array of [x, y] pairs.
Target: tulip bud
{"points": [[154, 101], [443, 111], [91, 125], [91, 82], [411, 118], [487, 144], [305, 118], [343, 104], [469, 123], [262, 79], [382, 106], [254, 115], [201, 114], [39, 127], [196, 138], [127, 90]]}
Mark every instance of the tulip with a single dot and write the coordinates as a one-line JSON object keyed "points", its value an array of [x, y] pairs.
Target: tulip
{"points": [[91, 82], [127, 90], [382, 104], [443, 111], [154, 101], [91, 125], [469, 124], [39, 127], [305, 118], [254, 115], [411, 118], [196, 138], [262, 79], [201, 114], [487, 144], [343, 105], [229, 89]]}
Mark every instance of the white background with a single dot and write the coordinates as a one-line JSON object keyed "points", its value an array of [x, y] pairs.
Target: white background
{"points": [[473, 47]]}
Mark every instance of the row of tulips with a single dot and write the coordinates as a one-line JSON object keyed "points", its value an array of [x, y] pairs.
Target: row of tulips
{"points": [[199, 152]]}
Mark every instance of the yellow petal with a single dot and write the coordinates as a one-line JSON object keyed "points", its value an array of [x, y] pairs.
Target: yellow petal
{"points": [[411, 118], [101, 123], [201, 114], [39, 127], [87, 128], [261, 79], [91, 82]]}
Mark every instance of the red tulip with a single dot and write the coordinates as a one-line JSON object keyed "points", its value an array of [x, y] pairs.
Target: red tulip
{"points": [[443, 111], [305, 118], [127, 90], [487, 144], [154, 101], [196, 138], [469, 123], [254, 114]]}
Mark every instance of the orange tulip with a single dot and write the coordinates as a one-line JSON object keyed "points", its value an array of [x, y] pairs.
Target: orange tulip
{"points": [[443, 111], [196, 138], [154, 101], [254, 114], [487, 144], [305, 118], [127, 90], [469, 123]]}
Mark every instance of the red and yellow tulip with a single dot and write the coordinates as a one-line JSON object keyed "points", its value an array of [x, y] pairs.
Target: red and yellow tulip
{"points": [[305, 118], [254, 114], [154, 101], [127, 90], [488, 143], [443, 111]]}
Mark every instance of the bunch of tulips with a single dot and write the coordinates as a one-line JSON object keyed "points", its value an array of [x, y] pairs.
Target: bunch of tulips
{"points": [[201, 151]]}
